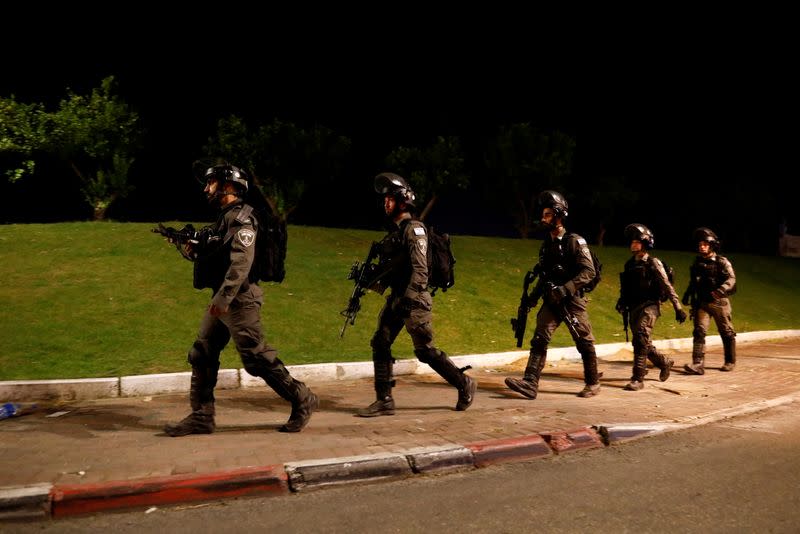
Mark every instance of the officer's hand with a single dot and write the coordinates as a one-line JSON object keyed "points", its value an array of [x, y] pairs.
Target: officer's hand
{"points": [[558, 293], [620, 307], [717, 294], [402, 307], [680, 316], [685, 300], [216, 311]]}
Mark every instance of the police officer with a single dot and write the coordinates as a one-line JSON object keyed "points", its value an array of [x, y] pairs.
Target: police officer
{"points": [[409, 304], [223, 258], [711, 282], [567, 268], [642, 284]]}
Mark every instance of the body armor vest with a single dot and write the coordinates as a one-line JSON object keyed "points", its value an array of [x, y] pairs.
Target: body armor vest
{"points": [[639, 282]]}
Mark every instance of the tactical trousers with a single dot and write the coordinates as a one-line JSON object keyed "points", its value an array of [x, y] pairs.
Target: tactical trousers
{"points": [[548, 319], [720, 310], [242, 323], [419, 327]]}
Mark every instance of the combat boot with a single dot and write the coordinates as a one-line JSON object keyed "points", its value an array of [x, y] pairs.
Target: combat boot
{"points": [[662, 362], [639, 369], [729, 347], [382, 406], [698, 357], [589, 390], [301, 413], [526, 387], [466, 393], [198, 422]]}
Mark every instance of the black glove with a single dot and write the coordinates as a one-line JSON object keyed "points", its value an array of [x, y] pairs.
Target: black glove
{"points": [[718, 294], [685, 299], [402, 307], [558, 293], [620, 307], [680, 316]]}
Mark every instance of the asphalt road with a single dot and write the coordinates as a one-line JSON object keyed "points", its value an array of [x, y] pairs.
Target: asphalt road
{"points": [[738, 475]]}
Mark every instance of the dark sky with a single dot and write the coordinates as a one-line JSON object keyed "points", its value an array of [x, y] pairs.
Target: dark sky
{"points": [[671, 111]]}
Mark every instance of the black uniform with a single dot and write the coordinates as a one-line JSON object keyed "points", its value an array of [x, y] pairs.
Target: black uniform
{"points": [[711, 282], [643, 285], [409, 305], [223, 263], [565, 262]]}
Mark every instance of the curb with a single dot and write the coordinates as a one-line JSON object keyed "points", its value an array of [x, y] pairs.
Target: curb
{"points": [[141, 385], [47, 500]]}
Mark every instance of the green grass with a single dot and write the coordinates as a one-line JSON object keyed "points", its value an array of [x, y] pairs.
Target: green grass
{"points": [[111, 299]]}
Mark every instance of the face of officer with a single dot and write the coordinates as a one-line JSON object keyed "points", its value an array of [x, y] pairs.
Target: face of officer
{"points": [[549, 219], [219, 193], [636, 247], [704, 248]]}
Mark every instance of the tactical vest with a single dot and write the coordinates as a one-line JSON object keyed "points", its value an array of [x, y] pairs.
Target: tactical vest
{"points": [[707, 275], [393, 256], [214, 259], [558, 266], [638, 282]]}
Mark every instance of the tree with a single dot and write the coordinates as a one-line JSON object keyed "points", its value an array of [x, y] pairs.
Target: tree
{"points": [[431, 170], [97, 135], [283, 159], [522, 160]]}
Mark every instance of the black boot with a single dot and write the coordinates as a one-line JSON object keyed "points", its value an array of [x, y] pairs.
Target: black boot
{"points": [[698, 357], [662, 362], [304, 402], [639, 368], [729, 348], [454, 376], [384, 405], [528, 386], [200, 421], [590, 375]]}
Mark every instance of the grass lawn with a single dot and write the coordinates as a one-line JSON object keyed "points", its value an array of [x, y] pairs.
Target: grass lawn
{"points": [[112, 299]]}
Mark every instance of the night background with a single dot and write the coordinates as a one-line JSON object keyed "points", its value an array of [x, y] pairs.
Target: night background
{"points": [[702, 132]]}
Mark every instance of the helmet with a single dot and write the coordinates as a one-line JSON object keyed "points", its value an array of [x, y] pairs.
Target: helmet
{"points": [[705, 234], [555, 201], [227, 173], [388, 183], [641, 233]]}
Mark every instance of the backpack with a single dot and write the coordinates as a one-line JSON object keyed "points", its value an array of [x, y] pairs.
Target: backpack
{"points": [[441, 262], [269, 263], [598, 269]]}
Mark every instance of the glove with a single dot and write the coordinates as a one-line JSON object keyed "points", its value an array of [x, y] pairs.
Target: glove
{"points": [[558, 293], [402, 307], [685, 300], [620, 307], [718, 294], [680, 316]]}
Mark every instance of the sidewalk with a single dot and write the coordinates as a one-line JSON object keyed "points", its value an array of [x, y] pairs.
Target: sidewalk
{"points": [[72, 455]]}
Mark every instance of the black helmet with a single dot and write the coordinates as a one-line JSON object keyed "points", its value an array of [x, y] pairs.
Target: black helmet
{"points": [[705, 234], [389, 183], [555, 201], [227, 173], [641, 233]]}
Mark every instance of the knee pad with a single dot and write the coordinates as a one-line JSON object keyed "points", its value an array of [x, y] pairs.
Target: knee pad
{"points": [[539, 344], [198, 355], [428, 355], [380, 344]]}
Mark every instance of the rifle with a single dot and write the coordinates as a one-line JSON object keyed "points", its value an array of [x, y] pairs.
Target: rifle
{"points": [[364, 275], [626, 314], [526, 302], [185, 235], [569, 319]]}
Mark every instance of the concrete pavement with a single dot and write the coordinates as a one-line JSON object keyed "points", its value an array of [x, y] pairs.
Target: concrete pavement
{"points": [[109, 453]]}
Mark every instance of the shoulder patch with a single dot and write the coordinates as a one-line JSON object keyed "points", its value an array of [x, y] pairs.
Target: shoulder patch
{"points": [[581, 241], [246, 236], [423, 245], [419, 230]]}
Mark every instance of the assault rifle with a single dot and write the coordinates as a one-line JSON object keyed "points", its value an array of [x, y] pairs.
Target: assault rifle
{"points": [[626, 314], [364, 276], [526, 302], [187, 240], [569, 319]]}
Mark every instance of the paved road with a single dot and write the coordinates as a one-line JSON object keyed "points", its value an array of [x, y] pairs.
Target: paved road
{"points": [[738, 475]]}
